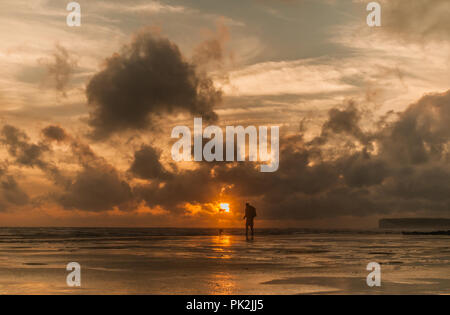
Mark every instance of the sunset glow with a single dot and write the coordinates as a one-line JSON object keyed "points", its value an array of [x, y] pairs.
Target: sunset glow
{"points": [[129, 130], [224, 207]]}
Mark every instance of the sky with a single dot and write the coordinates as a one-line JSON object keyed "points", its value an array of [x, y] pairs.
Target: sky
{"points": [[86, 112]]}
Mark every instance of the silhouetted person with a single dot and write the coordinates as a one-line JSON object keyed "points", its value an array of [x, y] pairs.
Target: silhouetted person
{"points": [[250, 214]]}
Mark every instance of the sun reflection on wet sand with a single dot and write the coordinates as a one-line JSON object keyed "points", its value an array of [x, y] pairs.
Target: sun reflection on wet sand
{"points": [[222, 282], [222, 246], [222, 240]]}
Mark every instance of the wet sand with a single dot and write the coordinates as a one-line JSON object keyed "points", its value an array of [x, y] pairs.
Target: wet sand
{"points": [[123, 263]]}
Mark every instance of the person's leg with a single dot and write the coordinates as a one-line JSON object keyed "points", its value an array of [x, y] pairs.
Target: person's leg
{"points": [[246, 230], [251, 226]]}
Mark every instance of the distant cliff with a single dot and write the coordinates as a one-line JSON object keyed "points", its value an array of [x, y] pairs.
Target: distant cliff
{"points": [[414, 223]]}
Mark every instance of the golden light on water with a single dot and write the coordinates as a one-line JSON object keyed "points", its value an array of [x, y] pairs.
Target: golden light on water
{"points": [[224, 207]]}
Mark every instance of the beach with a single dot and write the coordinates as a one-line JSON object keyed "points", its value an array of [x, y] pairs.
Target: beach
{"points": [[199, 261]]}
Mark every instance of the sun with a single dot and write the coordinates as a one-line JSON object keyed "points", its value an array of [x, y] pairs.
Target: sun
{"points": [[224, 207]]}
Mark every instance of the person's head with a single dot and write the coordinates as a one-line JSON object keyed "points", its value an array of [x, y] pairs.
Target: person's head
{"points": [[247, 204]]}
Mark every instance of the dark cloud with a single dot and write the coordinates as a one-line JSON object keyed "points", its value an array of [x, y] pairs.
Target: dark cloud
{"points": [[148, 77], [98, 186], [342, 122], [26, 153], [146, 164], [194, 186], [421, 134], [54, 133], [19, 146], [398, 166], [363, 170], [430, 183], [95, 189], [11, 194], [401, 167]]}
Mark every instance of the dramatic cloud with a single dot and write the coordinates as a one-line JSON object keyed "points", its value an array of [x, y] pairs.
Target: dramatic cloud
{"points": [[98, 186], [10, 192], [54, 133], [28, 154], [146, 164], [422, 132], [148, 77], [342, 122], [401, 167], [344, 160], [96, 189], [194, 186]]}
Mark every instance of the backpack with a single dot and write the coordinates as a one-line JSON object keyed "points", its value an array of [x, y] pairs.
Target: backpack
{"points": [[252, 210]]}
